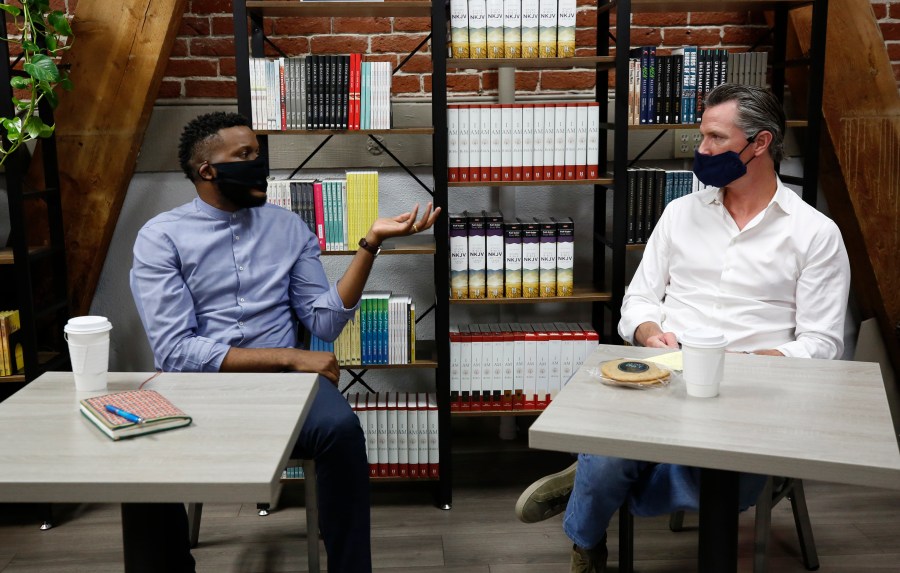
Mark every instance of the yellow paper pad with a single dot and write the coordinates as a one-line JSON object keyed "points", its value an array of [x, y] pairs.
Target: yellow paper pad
{"points": [[671, 360]]}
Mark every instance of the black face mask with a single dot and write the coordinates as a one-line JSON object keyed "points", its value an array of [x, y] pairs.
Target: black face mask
{"points": [[237, 179], [723, 169]]}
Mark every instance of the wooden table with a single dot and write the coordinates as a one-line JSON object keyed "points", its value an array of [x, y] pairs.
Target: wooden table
{"points": [[812, 419], [244, 427]]}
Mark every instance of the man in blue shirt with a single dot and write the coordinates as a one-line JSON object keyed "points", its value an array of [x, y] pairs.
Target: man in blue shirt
{"points": [[221, 284]]}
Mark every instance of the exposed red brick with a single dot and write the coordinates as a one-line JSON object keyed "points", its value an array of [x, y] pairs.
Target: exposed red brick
{"points": [[194, 26], [427, 84], [646, 36], [586, 38], [585, 52], [210, 88], [890, 30], [209, 6], [302, 26], [412, 24], [224, 26], [179, 48], [719, 18], [527, 81], [586, 3], [361, 25], [743, 35], [191, 67], [489, 81], [169, 89], [406, 84], [227, 67], [660, 19], [585, 18], [896, 68], [462, 82], [893, 50], [339, 44], [689, 36], [292, 46], [578, 80], [212, 47], [894, 11], [418, 64], [881, 10], [403, 43]]}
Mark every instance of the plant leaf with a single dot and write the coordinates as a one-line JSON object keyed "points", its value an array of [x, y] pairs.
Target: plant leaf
{"points": [[30, 46], [12, 127], [42, 69], [52, 98], [15, 11], [51, 43], [66, 84], [59, 22], [35, 126], [20, 83]]}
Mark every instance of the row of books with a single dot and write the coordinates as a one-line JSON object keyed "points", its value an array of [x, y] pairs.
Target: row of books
{"points": [[333, 209], [515, 366], [402, 433], [523, 142], [320, 92], [670, 89], [383, 331], [10, 351], [512, 28], [493, 258], [649, 192]]}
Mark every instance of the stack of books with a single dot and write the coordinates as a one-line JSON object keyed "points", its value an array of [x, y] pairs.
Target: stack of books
{"points": [[320, 92], [383, 331], [11, 361], [493, 258], [649, 192], [514, 366], [670, 89], [333, 209], [523, 142], [512, 28], [401, 433]]}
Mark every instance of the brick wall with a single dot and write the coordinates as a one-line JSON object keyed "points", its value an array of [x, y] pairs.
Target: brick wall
{"points": [[888, 16]]}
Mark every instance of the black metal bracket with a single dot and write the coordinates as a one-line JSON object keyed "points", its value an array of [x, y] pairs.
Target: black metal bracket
{"points": [[411, 54], [409, 172], [647, 147], [310, 156]]}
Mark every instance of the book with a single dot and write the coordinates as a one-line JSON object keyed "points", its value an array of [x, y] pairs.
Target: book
{"points": [[159, 413], [494, 256], [459, 28], [530, 25], [512, 28], [494, 19], [477, 29]]}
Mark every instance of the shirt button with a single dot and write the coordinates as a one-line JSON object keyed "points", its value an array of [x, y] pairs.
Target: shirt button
{"points": [[240, 268], [237, 237], [242, 300], [241, 323], [234, 215]]}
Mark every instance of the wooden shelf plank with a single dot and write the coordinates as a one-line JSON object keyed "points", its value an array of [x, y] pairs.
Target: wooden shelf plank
{"points": [[342, 9], [582, 294], [8, 258], [15, 378], [412, 245], [491, 63], [425, 358], [554, 183], [394, 131], [713, 5]]}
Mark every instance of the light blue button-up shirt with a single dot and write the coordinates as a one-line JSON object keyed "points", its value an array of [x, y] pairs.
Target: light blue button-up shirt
{"points": [[205, 280]]}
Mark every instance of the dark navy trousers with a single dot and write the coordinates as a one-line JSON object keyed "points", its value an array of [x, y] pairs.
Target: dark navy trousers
{"points": [[155, 535]]}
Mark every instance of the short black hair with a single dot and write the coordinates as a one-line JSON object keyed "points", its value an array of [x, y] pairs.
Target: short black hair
{"points": [[198, 132]]}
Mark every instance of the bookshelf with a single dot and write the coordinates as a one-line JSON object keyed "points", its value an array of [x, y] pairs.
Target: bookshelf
{"points": [[615, 245], [428, 353], [33, 265]]}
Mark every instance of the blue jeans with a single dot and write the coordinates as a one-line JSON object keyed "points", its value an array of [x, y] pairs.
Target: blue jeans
{"points": [[603, 484], [156, 534]]}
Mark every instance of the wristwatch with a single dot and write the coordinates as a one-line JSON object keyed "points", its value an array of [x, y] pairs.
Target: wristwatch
{"points": [[371, 248]]}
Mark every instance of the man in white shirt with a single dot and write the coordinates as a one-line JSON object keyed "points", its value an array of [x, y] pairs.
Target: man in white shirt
{"points": [[748, 257]]}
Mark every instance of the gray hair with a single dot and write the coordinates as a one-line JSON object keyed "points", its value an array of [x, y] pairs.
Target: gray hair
{"points": [[757, 110]]}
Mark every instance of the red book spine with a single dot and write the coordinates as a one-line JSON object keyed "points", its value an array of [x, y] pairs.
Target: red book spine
{"points": [[320, 213]]}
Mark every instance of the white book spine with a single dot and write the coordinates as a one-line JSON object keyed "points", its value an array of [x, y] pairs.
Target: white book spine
{"points": [[393, 440], [593, 141], [477, 29], [547, 28], [518, 360], [372, 432], [412, 434], [531, 18], [465, 364], [496, 141], [459, 28], [497, 366], [565, 29], [567, 355], [517, 142], [433, 435], [571, 140], [474, 143], [555, 365], [487, 363], [508, 363], [537, 155], [464, 143], [506, 145], [549, 141], [531, 352], [484, 128], [581, 128], [494, 20], [527, 142], [402, 435], [423, 435], [455, 379], [512, 28], [559, 142]]}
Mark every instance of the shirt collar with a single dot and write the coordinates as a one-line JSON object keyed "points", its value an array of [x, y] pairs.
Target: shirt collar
{"points": [[784, 197], [213, 212]]}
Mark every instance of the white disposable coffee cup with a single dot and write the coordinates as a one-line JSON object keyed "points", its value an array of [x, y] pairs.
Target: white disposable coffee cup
{"points": [[703, 354], [88, 338]]}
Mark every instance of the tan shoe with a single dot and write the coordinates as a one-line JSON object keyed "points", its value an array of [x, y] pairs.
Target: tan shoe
{"points": [[589, 560], [547, 496]]}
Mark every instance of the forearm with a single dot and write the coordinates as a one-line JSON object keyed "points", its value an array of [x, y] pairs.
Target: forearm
{"points": [[259, 359], [351, 285]]}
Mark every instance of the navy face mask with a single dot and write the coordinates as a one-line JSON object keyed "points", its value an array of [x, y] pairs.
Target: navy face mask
{"points": [[237, 179], [722, 169]]}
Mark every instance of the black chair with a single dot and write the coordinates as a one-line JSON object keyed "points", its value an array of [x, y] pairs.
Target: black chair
{"points": [[775, 490]]}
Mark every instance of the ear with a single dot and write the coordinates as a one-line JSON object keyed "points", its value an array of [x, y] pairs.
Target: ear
{"points": [[762, 142], [206, 172]]}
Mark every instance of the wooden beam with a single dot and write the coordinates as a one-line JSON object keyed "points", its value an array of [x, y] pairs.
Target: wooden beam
{"points": [[120, 52], [861, 155]]}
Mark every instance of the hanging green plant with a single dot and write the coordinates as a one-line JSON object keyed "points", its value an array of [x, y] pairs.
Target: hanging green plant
{"points": [[43, 35]]}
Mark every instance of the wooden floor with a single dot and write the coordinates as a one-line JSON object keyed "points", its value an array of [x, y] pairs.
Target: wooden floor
{"points": [[856, 529]]}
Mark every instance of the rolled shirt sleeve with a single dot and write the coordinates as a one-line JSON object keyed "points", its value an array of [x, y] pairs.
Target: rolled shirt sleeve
{"points": [[643, 300]]}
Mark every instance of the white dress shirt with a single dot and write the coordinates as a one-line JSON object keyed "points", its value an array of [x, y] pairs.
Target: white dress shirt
{"points": [[780, 282]]}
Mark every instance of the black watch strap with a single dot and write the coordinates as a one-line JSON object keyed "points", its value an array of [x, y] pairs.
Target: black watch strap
{"points": [[371, 248]]}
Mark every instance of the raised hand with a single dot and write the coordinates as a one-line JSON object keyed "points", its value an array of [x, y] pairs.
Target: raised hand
{"points": [[404, 224]]}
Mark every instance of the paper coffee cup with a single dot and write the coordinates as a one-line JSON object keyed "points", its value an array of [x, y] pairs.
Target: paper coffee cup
{"points": [[88, 338], [703, 354]]}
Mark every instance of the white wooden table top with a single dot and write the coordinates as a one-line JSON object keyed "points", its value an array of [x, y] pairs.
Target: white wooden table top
{"points": [[243, 428], [814, 419]]}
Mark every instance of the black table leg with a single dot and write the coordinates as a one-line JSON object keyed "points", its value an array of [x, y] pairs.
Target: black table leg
{"points": [[718, 521]]}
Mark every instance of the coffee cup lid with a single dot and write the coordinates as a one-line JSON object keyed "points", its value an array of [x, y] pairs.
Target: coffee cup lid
{"points": [[87, 325], [704, 337]]}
